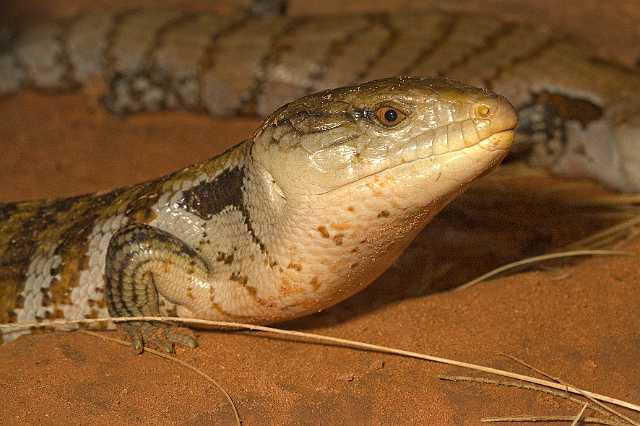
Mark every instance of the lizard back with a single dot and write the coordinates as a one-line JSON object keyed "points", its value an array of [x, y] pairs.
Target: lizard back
{"points": [[578, 114]]}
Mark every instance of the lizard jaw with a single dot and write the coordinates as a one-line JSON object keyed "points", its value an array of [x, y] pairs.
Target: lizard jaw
{"points": [[498, 144]]}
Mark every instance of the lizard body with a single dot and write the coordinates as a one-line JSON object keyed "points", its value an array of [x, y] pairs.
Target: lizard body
{"points": [[312, 209], [578, 114]]}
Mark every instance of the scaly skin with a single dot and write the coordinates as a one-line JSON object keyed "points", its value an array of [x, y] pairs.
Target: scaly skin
{"points": [[312, 209], [578, 115]]}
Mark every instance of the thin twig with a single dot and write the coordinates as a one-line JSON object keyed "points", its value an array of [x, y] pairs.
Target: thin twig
{"points": [[611, 232], [337, 341], [531, 367], [179, 361], [562, 382], [541, 258], [521, 385], [547, 419], [580, 416]]}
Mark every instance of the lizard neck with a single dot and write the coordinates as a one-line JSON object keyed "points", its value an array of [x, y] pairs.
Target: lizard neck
{"points": [[278, 256], [299, 254]]}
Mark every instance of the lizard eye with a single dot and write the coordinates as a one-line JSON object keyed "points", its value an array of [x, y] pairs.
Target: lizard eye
{"points": [[389, 116]]}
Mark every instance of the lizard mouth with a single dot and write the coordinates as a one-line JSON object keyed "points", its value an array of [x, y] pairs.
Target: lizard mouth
{"points": [[500, 141], [496, 146]]}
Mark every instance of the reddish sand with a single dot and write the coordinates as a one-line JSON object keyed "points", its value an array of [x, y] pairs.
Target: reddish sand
{"points": [[577, 321]]}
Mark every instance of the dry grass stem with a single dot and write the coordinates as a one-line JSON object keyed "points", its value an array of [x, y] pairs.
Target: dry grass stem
{"points": [[336, 341], [179, 361], [522, 385], [616, 232], [562, 382], [580, 416], [536, 259], [531, 367], [547, 419]]}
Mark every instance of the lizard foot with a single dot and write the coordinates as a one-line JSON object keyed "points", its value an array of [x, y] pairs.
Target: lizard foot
{"points": [[158, 335]]}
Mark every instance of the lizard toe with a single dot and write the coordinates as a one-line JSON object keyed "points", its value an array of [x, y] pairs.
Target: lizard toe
{"points": [[164, 337]]}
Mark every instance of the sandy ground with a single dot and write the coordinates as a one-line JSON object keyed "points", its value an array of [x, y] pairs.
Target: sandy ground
{"points": [[577, 321]]}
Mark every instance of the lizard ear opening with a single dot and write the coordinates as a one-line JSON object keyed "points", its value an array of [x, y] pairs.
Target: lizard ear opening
{"points": [[313, 117]]}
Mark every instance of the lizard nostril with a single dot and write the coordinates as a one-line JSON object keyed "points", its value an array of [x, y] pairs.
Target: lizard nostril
{"points": [[482, 111]]}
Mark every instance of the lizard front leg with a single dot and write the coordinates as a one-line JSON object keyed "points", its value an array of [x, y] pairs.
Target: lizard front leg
{"points": [[139, 258]]}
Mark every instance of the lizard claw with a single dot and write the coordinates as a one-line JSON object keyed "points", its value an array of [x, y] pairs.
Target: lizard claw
{"points": [[161, 336]]}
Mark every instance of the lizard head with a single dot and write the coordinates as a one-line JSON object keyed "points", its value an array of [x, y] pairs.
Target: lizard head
{"points": [[432, 128], [353, 174]]}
